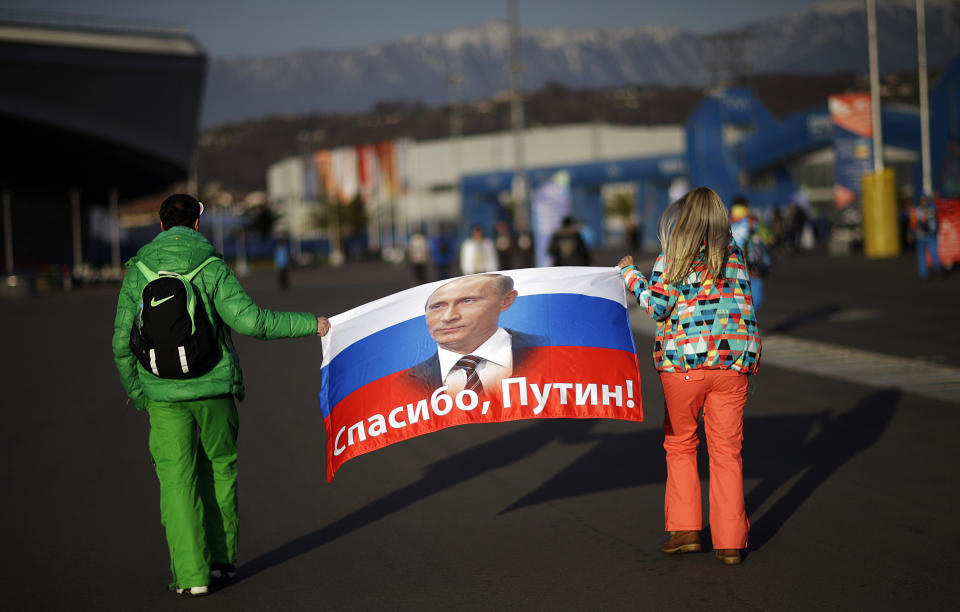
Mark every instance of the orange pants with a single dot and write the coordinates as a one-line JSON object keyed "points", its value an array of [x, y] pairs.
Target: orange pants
{"points": [[722, 395]]}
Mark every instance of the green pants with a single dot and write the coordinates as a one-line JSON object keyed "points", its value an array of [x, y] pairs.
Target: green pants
{"points": [[194, 447]]}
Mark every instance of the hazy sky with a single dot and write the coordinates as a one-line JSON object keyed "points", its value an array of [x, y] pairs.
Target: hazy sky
{"points": [[265, 27]]}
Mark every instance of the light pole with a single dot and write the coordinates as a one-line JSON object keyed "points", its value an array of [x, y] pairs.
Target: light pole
{"points": [[878, 189], [304, 138], [77, 228], [456, 121], [874, 86], [519, 187], [7, 233], [924, 99], [114, 200]]}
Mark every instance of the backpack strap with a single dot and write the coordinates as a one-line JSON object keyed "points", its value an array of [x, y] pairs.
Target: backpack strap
{"points": [[149, 274], [189, 275], [191, 296]]}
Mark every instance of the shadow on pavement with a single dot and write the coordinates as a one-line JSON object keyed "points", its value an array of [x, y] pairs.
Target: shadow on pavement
{"points": [[834, 442], [803, 318], [439, 476], [777, 450]]}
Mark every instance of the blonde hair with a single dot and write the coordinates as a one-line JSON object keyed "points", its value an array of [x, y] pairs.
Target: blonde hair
{"points": [[698, 218]]}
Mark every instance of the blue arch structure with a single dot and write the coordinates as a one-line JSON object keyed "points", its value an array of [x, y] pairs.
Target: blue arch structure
{"points": [[480, 193], [771, 143], [710, 160], [766, 146], [945, 132]]}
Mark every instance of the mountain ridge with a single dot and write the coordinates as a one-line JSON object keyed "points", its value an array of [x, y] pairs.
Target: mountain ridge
{"points": [[824, 38]]}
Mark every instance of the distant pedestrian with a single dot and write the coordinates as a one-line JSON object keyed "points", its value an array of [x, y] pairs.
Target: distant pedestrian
{"points": [[778, 230], [926, 228], [632, 234], [477, 254], [281, 261], [905, 220], [525, 254], [754, 239], [797, 224], [66, 278], [505, 245], [442, 252], [418, 256], [177, 360], [707, 343], [567, 246]]}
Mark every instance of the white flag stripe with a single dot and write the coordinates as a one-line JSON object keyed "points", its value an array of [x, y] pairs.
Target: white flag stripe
{"points": [[354, 325]]}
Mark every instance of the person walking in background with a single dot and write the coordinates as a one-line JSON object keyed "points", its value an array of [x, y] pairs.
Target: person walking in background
{"points": [[477, 254], [925, 230], [905, 219], [525, 255], [193, 417], [777, 231], [418, 256], [505, 245], [281, 262], [442, 253], [567, 246], [753, 239], [707, 344], [632, 233], [798, 223]]}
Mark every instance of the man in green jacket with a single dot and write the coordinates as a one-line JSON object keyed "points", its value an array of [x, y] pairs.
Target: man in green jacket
{"points": [[194, 422]]}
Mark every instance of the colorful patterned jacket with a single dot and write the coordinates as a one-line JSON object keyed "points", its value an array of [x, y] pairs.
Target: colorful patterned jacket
{"points": [[700, 323]]}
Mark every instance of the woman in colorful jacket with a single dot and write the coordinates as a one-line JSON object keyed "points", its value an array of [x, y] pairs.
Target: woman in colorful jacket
{"points": [[707, 343], [197, 474]]}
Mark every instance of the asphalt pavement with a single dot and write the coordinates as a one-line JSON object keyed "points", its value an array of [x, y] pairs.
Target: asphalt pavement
{"points": [[851, 487]]}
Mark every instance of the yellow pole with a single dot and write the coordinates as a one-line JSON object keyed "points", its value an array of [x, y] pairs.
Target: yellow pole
{"points": [[880, 232]]}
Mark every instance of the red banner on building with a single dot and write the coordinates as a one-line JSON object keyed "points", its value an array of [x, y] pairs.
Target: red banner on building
{"points": [[948, 233]]}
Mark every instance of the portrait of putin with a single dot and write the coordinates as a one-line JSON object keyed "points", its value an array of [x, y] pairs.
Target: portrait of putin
{"points": [[473, 350]]}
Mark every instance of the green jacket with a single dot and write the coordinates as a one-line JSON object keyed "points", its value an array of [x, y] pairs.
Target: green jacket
{"points": [[181, 249]]}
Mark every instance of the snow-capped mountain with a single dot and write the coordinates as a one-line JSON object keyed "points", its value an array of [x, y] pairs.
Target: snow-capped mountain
{"points": [[828, 37]]}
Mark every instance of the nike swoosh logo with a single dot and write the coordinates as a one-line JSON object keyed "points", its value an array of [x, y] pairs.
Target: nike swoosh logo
{"points": [[155, 302]]}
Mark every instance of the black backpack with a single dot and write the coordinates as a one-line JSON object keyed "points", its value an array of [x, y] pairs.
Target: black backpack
{"points": [[169, 336]]}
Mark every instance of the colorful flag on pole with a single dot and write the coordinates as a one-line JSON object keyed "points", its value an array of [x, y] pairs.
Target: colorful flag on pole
{"points": [[948, 231], [344, 170], [387, 166], [367, 172], [520, 344], [852, 144], [323, 160]]}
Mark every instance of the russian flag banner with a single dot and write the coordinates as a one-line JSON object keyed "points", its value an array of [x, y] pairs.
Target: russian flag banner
{"points": [[486, 348]]}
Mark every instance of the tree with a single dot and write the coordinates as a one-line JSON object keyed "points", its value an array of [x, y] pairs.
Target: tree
{"points": [[620, 205], [355, 217], [262, 220]]}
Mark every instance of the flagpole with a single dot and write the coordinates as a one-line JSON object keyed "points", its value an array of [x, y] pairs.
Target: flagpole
{"points": [[874, 86], [7, 233], [519, 187], [924, 99]]}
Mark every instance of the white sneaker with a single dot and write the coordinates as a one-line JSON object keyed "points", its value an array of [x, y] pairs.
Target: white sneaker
{"points": [[193, 591]]}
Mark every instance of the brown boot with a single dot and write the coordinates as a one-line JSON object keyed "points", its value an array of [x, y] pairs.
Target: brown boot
{"points": [[728, 556], [682, 542]]}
